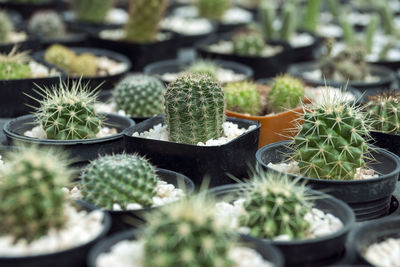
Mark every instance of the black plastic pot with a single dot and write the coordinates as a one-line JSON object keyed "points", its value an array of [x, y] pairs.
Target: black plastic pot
{"points": [[106, 82], [198, 162], [320, 251], [387, 141], [31, 44], [75, 256], [369, 198], [27, 9], [268, 252], [187, 41], [386, 82], [79, 150], [263, 67], [71, 39], [307, 52], [175, 66]]}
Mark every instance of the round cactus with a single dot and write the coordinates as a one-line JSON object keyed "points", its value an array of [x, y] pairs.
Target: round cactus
{"points": [[140, 95], [67, 112], [92, 11], [250, 43], [274, 206], [14, 65], [287, 92], [84, 64], [383, 111], [60, 56], [194, 109], [32, 202], [119, 179], [213, 9], [204, 67], [243, 97], [6, 27], [47, 24]]}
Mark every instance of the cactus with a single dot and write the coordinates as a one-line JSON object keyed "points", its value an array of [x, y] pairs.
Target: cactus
{"points": [[275, 205], [311, 15], [332, 142], [92, 11], [288, 23], [140, 95], [370, 32], [348, 32], [67, 112], [383, 111], [119, 179], [194, 109], [47, 24], [14, 65], [84, 64], [334, 7], [32, 202], [204, 67], [187, 233], [248, 43], [6, 27], [60, 56], [383, 54], [213, 9], [387, 19], [267, 16], [243, 97], [287, 93], [144, 20]]}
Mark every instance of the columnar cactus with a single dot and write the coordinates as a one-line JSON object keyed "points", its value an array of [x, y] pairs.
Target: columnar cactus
{"points": [[288, 22], [287, 92], [348, 31], [144, 20], [213, 9], [248, 43], [32, 202], [311, 15], [387, 18], [92, 11], [140, 95], [334, 7], [119, 179], [243, 97], [275, 206], [60, 56], [47, 24], [267, 16], [370, 32], [67, 112], [194, 109], [6, 27], [204, 67], [383, 110], [14, 65]]}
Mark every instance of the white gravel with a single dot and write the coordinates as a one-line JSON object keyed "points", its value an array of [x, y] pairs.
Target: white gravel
{"points": [[40, 71], [301, 40], [385, 253], [108, 107], [187, 26], [231, 131], [226, 47], [107, 66], [329, 30], [1, 162], [38, 132], [223, 76], [81, 227], [235, 15], [16, 37], [320, 94], [318, 75]]}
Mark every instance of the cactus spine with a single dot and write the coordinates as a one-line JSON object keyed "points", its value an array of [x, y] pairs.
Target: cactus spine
{"points": [[47, 24], [383, 111], [6, 27], [248, 43], [311, 15], [213, 9], [204, 67], [14, 65], [92, 11], [287, 93], [194, 109], [243, 97]]}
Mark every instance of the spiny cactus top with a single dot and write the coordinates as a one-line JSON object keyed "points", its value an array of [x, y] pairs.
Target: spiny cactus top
{"points": [[287, 93], [186, 234], [32, 202], [47, 24], [275, 205], [204, 67], [194, 109], [383, 110], [92, 11], [140, 95], [119, 179], [243, 97], [14, 65], [248, 43], [67, 112], [213, 9], [332, 142], [6, 27]]}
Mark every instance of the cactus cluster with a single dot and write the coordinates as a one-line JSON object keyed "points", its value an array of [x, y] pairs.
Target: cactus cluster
{"points": [[92, 11], [194, 109], [140, 95], [47, 25], [32, 202], [204, 67], [144, 20], [67, 112], [6, 27], [213, 9], [288, 24], [14, 65], [243, 97], [119, 179], [248, 43], [287, 92], [383, 111]]}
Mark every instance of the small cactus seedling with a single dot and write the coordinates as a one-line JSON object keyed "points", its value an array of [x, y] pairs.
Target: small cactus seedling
{"points": [[60, 56], [6, 27], [204, 67], [194, 109], [140, 95], [47, 24], [213, 9], [119, 179], [67, 112], [243, 97], [248, 43], [92, 11], [287, 93], [14, 65], [383, 110], [32, 202]]}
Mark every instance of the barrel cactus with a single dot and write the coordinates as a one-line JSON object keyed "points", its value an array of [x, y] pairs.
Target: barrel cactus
{"points": [[140, 95], [14, 65], [119, 179], [92, 11], [213, 9], [32, 202], [383, 110], [194, 109], [204, 67], [287, 92], [248, 43], [60, 56], [84, 64], [47, 24], [243, 97]]}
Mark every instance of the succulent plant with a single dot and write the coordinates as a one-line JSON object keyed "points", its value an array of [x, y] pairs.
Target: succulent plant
{"points": [[275, 205], [14, 65], [32, 202], [348, 32], [60, 56], [6, 27], [387, 18], [84, 64], [288, 22], [92, 11], [243, 97], [213, 9], [267, 12], [67, 112], [383, 111], [204, 67], [311, 15], [47, 24], [144, 20], [248, 43], [334, 7], [119, 179], [194, 109], [140, 95], [370, 32], [287, 92]]}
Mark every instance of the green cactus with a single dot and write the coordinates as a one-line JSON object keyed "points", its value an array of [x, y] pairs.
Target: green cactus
{"points": [[387, 19], [92, 11], [47, 24], [140, 95], [370, 32], [84, 64], [14, 65], [287, 92], [194, 109], [383, 111], [383, 54], [213, 9], [311, 15], [144, 20], [332, 142], [288, 22], [348, 32], [204, 67], [248, 43], [119, 179], [334, 7], [187, 233], [32, 202], [243, 97], [6, 27], [60, 56], [67, 112], [267, 12]]}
